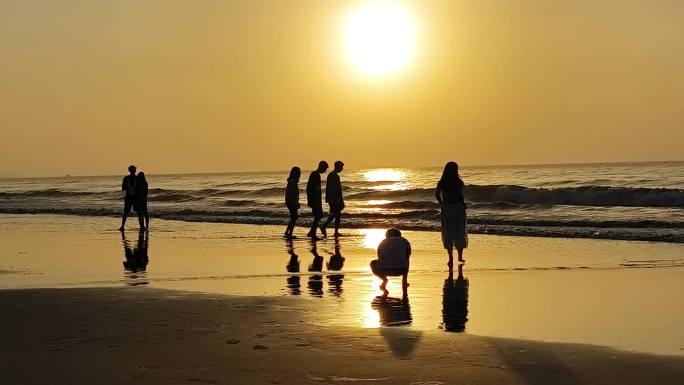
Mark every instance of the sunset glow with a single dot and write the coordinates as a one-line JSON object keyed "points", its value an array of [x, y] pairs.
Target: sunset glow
{"points": [[380, 38]]}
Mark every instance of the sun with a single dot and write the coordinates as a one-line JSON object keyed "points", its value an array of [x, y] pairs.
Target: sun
{"points": [[380, 38]]}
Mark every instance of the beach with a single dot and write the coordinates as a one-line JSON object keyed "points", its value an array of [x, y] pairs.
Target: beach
{"points": [[84, 296], [151, 336]]}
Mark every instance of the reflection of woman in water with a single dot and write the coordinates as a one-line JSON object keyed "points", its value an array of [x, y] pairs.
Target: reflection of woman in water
{"points": [[141, 200], [455, 302], [449, 194], [292, 266], [292, 199]]}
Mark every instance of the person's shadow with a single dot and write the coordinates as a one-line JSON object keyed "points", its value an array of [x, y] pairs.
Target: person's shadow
{"points": [[335, 263], [315, 283], [293, 281], [137, 259], [455, 302]]}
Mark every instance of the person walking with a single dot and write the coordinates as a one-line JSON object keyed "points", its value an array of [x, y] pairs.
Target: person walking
{"points": [[128, 187], [292, 200], [449, 194], [313, 196], [141, 188], [333, 196]]}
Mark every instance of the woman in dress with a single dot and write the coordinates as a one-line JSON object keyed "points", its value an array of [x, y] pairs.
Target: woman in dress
{"points": [[449, 194], [141, 188], [292, 199]]}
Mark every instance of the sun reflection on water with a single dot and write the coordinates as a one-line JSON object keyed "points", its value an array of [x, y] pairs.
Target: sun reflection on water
{"points": [[372, 237], [384, 175], [395, 178]]}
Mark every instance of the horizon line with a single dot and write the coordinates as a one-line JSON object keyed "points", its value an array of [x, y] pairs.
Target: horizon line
{"points": [[2, 177]]}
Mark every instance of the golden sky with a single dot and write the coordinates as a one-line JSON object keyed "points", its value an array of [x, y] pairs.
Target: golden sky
{"points": [[87, 87]]}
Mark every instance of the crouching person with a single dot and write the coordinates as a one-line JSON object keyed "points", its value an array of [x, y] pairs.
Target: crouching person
{"points": [[393, 260]]}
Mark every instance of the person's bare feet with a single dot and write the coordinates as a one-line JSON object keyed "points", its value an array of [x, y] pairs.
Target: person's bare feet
{"points": [[324, 231]]}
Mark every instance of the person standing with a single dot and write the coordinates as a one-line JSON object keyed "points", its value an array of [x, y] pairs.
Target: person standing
{"points": [[141, 201], [128, 187], [333, 195], [292, 199], [313, 196], [449, 194]]}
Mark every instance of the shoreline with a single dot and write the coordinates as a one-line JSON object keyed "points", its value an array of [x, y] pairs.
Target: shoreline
{"points": [[133, 335], [667, 235]]}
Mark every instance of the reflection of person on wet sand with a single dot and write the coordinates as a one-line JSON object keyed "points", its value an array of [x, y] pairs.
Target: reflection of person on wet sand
{"points": [[136, 255], [455, 302], [335, 263], [292, 266], [393, 259], [449, 194], [315, 283], [393, 311]]}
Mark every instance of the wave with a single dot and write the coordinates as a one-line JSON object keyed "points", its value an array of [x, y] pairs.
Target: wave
{"points": [[53, 193], [576, 196], [657, 231], [429, 219], [417, 198]]}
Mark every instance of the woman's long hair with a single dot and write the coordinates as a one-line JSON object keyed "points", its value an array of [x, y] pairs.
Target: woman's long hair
{"points": [[141, 177], [295, 173], [450, 178]]}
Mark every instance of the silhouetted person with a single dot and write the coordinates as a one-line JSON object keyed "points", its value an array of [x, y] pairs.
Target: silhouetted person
{"points": [[128, 187], [292, 199], [292, 266], [136, 255], [141, 201], [449, 194], [315, 283], [393, 259], [313, 196], [455, 302], [333, 195], [335, 263]]}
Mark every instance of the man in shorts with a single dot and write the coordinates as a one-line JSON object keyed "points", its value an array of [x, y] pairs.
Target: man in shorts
{"points": [[128, 186], [333, 195], [313, 196]]}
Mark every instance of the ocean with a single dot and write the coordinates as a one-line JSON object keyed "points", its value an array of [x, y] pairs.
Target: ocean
{"points": [[628, 201]]}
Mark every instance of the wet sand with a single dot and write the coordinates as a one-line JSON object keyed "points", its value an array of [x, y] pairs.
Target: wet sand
{"points": [[218, 303], [143, 335]]}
